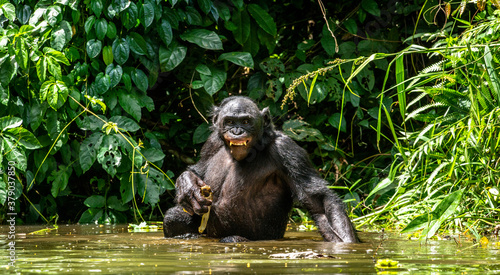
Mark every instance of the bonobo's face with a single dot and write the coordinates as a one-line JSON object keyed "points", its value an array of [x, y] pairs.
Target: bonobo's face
{"points": [[240, 124]]}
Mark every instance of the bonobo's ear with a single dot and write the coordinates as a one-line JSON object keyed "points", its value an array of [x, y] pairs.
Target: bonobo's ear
{"points": [[266, 116], [215, 114]]}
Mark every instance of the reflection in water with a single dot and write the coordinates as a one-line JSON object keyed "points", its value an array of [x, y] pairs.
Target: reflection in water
{"points": [[111, 249]]}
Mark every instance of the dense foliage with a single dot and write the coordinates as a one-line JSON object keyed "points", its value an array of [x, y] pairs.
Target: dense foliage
{"points": [[103, 102]]}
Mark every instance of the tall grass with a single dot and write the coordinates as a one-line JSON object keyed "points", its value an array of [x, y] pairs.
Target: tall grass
{"points": [[446, 173]]}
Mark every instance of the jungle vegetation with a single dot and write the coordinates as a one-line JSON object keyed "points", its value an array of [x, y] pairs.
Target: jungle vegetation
{"points": [[104, 102]]}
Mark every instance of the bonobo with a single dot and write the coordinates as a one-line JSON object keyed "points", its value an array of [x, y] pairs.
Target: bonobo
{"points": [[254, 173]]}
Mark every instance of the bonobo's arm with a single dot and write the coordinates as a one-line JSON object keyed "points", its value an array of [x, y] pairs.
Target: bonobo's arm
{"points": [[310, 190], [188, 184]]}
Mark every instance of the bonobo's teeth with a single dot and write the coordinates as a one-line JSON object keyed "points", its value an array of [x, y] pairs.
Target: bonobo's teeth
{"points": [[238, 142]]}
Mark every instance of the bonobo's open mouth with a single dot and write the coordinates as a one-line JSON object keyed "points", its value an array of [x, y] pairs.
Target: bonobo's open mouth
{"points": [[236, 142]]}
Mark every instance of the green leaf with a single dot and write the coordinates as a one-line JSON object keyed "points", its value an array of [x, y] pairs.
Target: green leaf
{"points": [[88, 150], [264, 20], [243, 59], [9, 123], [102, 83], [125, 123], [140, 79], [153, 154], [111, 32], [172, 56], [107, 55], [7, 69], [147, 13], [165, 32], [241, 20], [61, 35], [371, 7], [14, 153], [338, 121], [55, 92], [93, 48], [115, 74], [59, 179], [127, 190], [215, 81], [204, 38], [101, 28], [130, 105], [300, 130], [21, 53], [24, 14], [201, 133], [96, 6], [129, 16], [89, 23], [53, 15], [351, 27], [137, 43], [205, 5], [4, 95], [25, 137], [91, 215], [95, 201], [109, 155], [121, 50], [114, 203]]}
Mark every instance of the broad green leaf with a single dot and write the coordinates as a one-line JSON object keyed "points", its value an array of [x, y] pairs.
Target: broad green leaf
{"points": [[4, 95], [351, 27], [24, 14], [130, 105], [97, 6], [53, 15], [214, 82], [109, 155], [165, 32], [88, 150], [93, 48], [127, 189], [201, 133], [338, 121], [239, 58], [147, 13], [263, 19], [241, 20], [55, 92], [59, 179], [125, 123], [21, 53], [8, 70], [95, 201], [203, 69], [380, 186], [25, 137], [101, 28], [61, 35], [153, 154], [172, 56], [9, 123], [121, 50], [140, 79], [107, 55], [205, 5], [204, 38], [111, 32], [91, 215], [115, 74], [130, 15], [137, 43], [301, 130], [102, 83], [114, 203], [371, 7], [14, 153], [89, 23]]}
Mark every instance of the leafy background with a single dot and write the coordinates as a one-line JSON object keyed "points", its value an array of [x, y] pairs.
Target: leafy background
{"points": [[104, 102]]}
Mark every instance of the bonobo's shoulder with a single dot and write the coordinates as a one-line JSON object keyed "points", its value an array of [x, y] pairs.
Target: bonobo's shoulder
{"points": [[283, 140]]}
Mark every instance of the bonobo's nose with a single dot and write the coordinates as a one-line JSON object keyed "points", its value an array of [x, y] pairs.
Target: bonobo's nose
{"points": [[237, 131]]}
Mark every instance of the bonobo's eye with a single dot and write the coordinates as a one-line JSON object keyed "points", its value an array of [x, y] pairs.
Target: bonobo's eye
{"points": [[245, 121], [229, 122]]}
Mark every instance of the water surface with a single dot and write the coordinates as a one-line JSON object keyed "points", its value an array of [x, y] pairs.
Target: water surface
{"points": [[113, 250]]}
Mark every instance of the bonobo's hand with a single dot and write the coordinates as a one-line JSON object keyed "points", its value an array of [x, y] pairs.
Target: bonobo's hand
{"points": [[189, 194]]}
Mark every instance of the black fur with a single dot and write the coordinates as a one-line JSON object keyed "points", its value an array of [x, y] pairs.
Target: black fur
{"points": [[253, 186]]}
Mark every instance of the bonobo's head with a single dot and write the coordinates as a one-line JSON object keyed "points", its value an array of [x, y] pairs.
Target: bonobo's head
{"points": [[240, 124]]}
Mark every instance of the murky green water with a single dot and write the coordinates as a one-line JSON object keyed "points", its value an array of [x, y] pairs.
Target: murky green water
{"points": [[113, 250]]}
